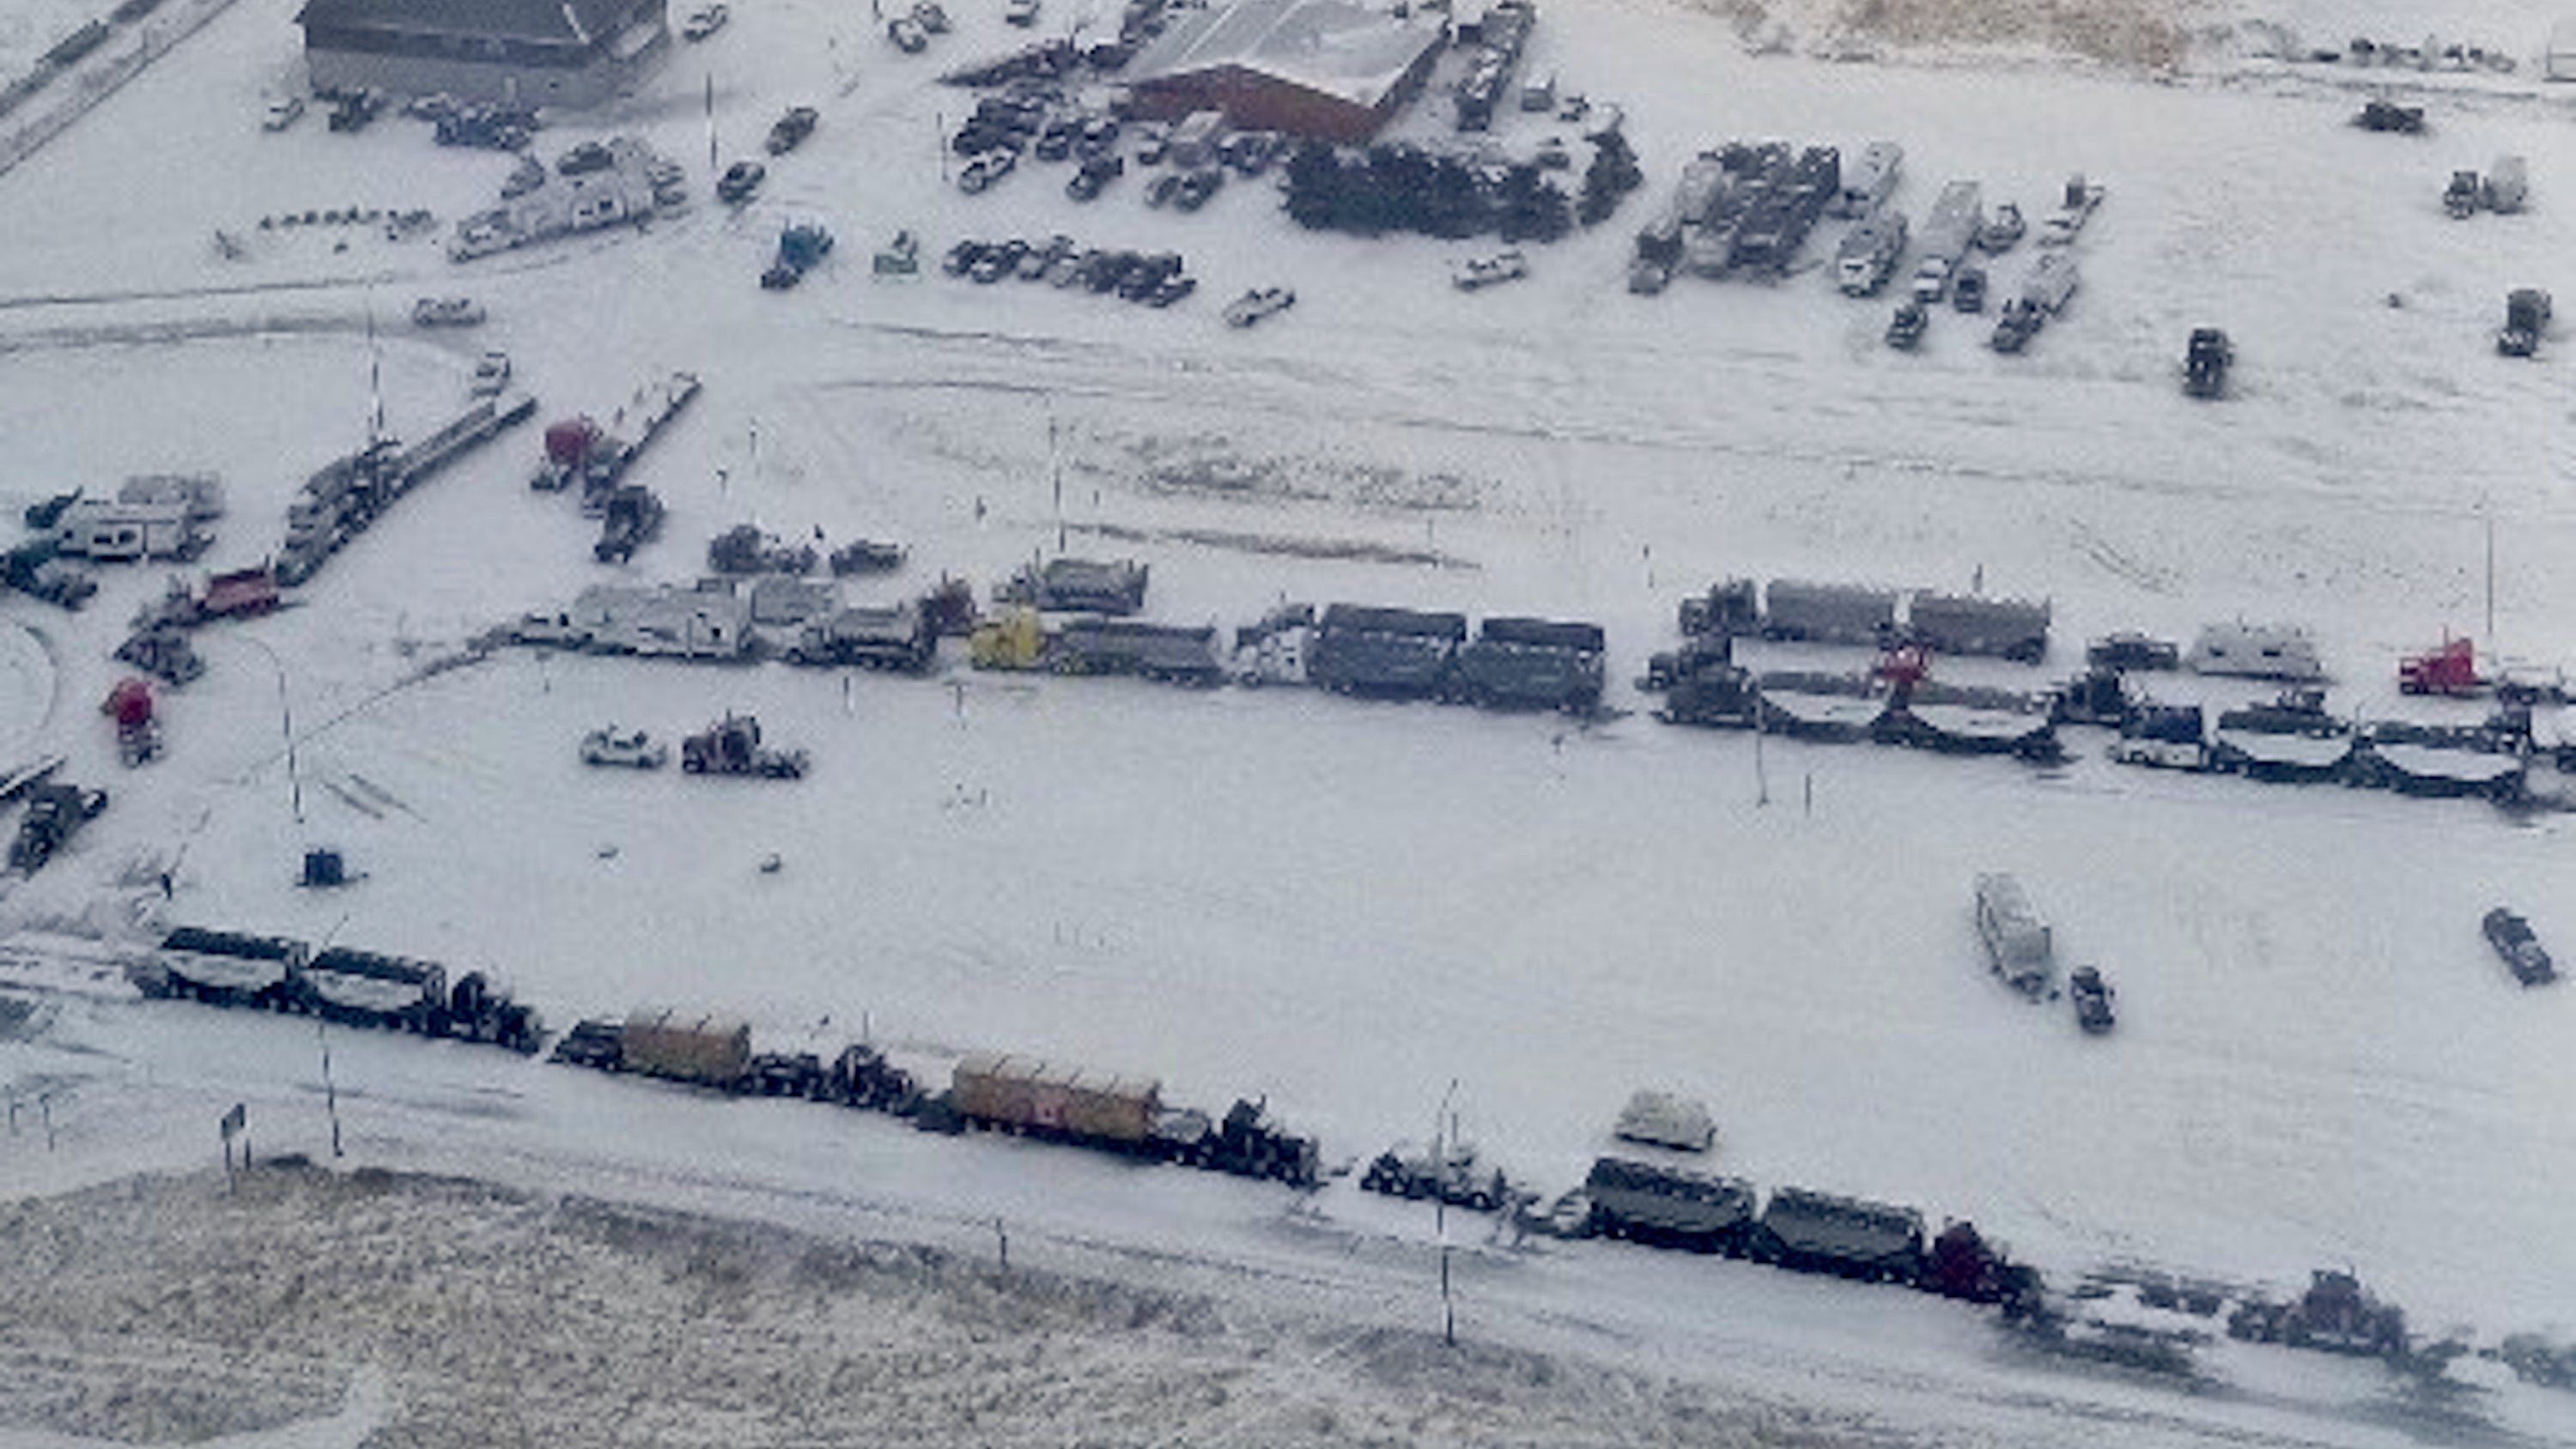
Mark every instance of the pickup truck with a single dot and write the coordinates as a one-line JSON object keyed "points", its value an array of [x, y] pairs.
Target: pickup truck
{"points": [[2513, 940]]}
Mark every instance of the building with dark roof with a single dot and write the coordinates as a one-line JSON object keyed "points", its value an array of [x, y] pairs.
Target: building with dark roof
{"points": [[1320, 68], [568, 53]]}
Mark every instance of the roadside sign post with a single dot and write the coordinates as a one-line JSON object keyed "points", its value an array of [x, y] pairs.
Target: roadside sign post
{"points": [[235, 1123]]}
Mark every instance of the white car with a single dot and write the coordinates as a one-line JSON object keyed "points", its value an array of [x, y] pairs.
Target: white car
{"points": [[634, 749], [446, 312], [491, 374], [283, 112], [704, 21], [1502, 266], [1258, 303], [1021, 12]]}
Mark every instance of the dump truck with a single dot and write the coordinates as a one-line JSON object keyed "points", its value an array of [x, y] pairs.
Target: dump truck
{"points": [[1393, 653], [1947, 233], [1518, 663], [1666, 1205], [2017, 941], [897, 637], [1166, 653], [1869, 253], [1075, 585], [2205, 360], [685, 1046]]}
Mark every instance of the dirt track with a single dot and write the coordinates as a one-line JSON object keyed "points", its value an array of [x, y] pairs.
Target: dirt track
{"points": [[165, 1308]]}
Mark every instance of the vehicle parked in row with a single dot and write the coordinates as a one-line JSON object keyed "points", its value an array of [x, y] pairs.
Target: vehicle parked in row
{"points": [[740, 182], [1478, 273], [633, 749], [704, 21], [282, 112], [2514, 940], [986, 169], [1096, 174], [1260, 302], [446, 312], [790, 130], [907, 35]]}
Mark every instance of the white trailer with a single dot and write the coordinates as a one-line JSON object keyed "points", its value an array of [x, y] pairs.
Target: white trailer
{"points": [[2507, 186], [117, 531], [2256, 651], [2051, 282], [1870, 181], [2018, 947], [1946, 236]]}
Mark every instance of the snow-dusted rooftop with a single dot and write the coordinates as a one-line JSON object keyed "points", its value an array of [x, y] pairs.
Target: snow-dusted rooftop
{"points": [[1342, 50]]}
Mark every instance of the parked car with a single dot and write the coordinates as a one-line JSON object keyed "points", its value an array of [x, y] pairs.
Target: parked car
{"points": [[1095, 174], [1258, 303], [1042, 260], [1172, 289], [740, 181], [2092, 996], [1481, 272], [491, 374], [961, 258], [907, 35], [986, 169], [704, 21], [1197, 187], [446, 312], [1153, 142], [791, 129], [1905, 329], [634, 749], [587, 157], [283, 112], [1163, 188], [2513, 939], [1145, 276], [1023, 13], [930, 17]]}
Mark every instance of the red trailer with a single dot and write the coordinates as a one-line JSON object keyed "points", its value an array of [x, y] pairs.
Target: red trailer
{"points": [[240, 594]]}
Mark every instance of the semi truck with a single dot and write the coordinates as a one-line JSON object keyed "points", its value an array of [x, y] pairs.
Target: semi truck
{"points": [[1945, 238], [1869, 253]]}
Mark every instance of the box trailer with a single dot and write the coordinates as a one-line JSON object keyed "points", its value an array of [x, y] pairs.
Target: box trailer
{"points": [[1947, 233], [1658, 1204], [2017, 941], [2256, 651], [1828, 613], [712, 1051], [2016, 629], [1031, 1095], [1870, 180], [1819, 1232]]}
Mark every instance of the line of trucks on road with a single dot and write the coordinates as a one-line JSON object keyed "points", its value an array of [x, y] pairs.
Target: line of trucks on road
{"points": [[1624, 1195]]}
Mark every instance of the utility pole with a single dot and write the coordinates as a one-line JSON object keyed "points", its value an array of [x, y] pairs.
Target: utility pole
{"points": [[330, 1093]]}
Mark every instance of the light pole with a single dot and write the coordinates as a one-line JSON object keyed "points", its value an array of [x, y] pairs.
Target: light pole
{"points": [[285, 725]]}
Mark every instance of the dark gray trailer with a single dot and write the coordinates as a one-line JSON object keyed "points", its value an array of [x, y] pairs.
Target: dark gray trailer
{"points": [[1820, 1233], [2016, 629], [897, 636], [1828, 613], [1669, 1206], [371, 989], [1392, 653], [1532, 664], [227, 968], [1167, 653], [1077, 585]]}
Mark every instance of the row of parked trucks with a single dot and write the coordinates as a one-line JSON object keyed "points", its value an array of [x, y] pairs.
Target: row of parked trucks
{"points": [[1623, 1196], [347, 495]]}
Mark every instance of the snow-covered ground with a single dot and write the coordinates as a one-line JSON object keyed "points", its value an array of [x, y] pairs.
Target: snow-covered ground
{"points": [[1349, 907]]}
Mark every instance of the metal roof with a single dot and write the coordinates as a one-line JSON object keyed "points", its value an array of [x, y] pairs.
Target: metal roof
{"points": [[575, 22], [1341, 50]]}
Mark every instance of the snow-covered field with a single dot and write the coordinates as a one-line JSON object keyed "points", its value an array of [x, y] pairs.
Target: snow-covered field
{"points": [[1347, 907]]}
